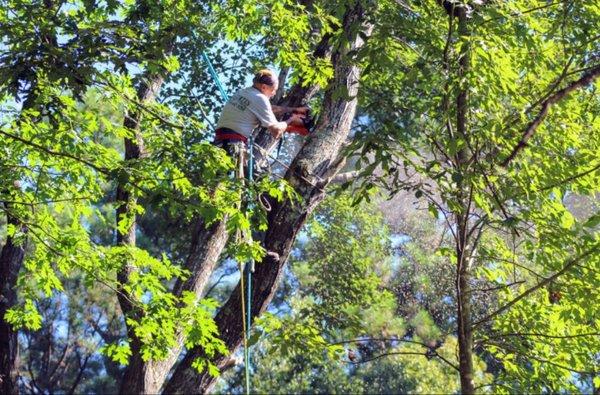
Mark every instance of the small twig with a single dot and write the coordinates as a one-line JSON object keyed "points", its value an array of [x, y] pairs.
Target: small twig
{"points": [[385, 339], [498, 287], [430, 353], [569, 179], [501, 335], [47, 201], [386, 355], [529, 355], [519, 13], [143, 107]]}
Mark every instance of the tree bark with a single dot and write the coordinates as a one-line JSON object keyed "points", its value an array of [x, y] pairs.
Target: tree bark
{"points": [[463, 298], [11, 259], [309, 173], [463, 272], [206, 247]]}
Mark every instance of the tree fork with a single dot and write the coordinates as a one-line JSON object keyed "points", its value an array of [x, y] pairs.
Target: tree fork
{"points": [[317, 157], [206, 246]]}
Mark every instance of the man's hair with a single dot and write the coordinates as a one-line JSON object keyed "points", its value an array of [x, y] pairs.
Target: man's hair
{"points": [[265, 76]]}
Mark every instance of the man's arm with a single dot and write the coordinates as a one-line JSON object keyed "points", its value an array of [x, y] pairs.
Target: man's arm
{"points": [[278, 128], [280, 110]]}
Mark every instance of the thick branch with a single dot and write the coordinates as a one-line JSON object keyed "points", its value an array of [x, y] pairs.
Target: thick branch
{"points": [[585, 80]]}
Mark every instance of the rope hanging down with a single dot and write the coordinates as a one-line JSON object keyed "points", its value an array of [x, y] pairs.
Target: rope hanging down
{"points": [[249, 267]]}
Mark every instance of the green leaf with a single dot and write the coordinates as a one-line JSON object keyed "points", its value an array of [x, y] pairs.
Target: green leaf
{"points": [[567, 220]]}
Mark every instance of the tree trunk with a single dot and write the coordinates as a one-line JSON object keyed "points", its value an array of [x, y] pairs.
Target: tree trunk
{"points": [[205, 249], [11, 259], [309, 174], [463, 274], [463, 301], [137, 378]]}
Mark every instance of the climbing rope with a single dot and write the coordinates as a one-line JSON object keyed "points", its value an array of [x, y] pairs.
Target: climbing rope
{"points": [[215, 77], [247, 269]]}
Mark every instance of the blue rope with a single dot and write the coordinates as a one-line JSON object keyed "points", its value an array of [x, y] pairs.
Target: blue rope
{"points": [[215, 77], [249, 268]]}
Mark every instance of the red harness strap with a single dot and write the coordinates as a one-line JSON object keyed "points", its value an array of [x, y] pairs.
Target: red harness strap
{"points": [[228, 134]]}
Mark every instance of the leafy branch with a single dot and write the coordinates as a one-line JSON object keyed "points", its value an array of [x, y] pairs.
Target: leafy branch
{"points": [[56, 153], [566, 267], [585, 80]]}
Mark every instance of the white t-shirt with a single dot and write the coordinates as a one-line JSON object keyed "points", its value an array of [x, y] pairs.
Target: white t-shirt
{"points": [[245, 110]]}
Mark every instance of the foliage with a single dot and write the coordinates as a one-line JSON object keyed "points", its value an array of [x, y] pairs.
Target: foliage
{"points": [[72, 74], [323, 340], [486, 118], [474, 122]]}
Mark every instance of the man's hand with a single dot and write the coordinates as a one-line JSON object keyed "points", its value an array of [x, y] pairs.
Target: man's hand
{"points": [[295, 119], [280, 127], [277, 129], [301, 110], [276, 132]]}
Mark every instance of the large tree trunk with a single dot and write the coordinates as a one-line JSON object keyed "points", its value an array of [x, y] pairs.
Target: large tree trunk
{"points": [[11, 259], [309, 174], [206, 246]]}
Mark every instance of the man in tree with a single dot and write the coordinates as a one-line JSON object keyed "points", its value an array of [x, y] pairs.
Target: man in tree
{"points": [[250, 108]]}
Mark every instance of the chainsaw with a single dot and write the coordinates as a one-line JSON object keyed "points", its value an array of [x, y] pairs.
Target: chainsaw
{"points": [[303, 127]]}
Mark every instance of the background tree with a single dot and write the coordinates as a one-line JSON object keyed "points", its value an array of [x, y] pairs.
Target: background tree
{"points": [[492, 131]]}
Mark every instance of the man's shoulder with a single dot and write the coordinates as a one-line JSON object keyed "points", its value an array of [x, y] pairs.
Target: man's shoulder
{"points": [[253, 94]]}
